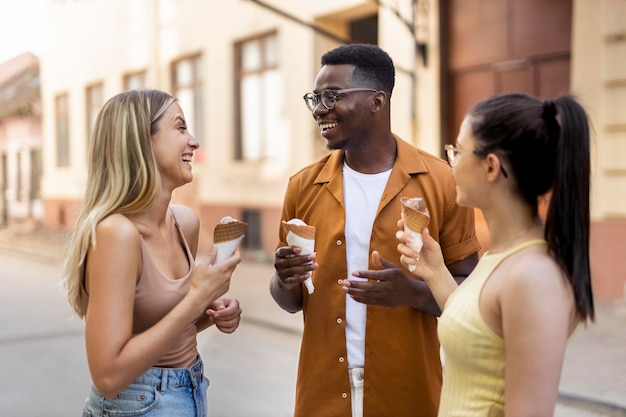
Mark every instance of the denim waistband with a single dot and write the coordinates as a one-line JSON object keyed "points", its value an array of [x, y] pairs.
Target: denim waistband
{"points": [[172, 377]]}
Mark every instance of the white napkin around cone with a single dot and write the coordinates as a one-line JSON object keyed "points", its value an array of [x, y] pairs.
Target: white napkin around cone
{"points": [[298, 233], [415, 217], [227, 236]]}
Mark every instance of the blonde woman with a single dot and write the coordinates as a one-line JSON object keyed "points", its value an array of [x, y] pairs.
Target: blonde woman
{"points": [[130, 270], [505, 328]]}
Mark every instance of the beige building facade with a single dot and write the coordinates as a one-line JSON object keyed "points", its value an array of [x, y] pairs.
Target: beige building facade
{"points": [[20, 141], [240, 68]]}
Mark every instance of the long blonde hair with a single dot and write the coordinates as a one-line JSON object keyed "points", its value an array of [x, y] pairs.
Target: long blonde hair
{"points": [[122, 176]]}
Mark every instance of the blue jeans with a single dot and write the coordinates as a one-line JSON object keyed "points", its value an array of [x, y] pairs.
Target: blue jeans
{"points": [[160, 392]]}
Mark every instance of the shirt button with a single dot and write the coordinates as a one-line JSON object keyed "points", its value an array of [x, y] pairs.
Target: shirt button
{"points": [[339, 321], [344, 395], [339, 281], [341, 359], [339, 242]]}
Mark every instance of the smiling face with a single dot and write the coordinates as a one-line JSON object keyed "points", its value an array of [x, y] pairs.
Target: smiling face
{"points": [[173, 147], [347, 124]]}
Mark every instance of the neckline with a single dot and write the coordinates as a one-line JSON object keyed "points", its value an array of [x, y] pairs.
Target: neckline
{"points": [[185, 247], [350, 170], [519, 246]]}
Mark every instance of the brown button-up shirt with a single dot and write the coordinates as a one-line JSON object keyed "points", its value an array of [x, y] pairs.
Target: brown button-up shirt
{"points": [[402, 363]]}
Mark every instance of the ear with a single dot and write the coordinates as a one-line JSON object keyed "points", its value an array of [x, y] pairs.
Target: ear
{"points": [[493, 164], [380, 100]]}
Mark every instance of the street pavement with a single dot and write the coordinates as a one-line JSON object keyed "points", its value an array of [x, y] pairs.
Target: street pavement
{"points": [[252, 371]]}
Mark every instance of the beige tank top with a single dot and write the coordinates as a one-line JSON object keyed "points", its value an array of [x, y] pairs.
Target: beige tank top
{"points": [[155, 296]]}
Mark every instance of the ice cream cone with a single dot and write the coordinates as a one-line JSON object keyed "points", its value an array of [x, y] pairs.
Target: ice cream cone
{"points": [[226, 236], [228, 231], [303, 230], [415, 217], [414, 213], [298, 233]]}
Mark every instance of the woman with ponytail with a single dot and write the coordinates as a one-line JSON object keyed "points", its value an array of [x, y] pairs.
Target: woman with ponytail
{"points": [[504, 329]]}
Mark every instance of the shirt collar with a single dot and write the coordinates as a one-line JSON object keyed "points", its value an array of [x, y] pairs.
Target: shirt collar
{"points": [[409, 160]]}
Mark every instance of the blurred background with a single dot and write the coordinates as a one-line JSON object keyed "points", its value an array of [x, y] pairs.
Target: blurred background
{"points": [[240, 68]]}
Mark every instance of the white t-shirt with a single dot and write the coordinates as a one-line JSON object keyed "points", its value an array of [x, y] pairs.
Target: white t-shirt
{"points": [[361, 194]]}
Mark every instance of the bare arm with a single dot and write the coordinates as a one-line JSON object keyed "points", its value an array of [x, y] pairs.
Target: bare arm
{"points": [[117, 357], [537, 316], [225, 313], [190, 226], [430, 267]]}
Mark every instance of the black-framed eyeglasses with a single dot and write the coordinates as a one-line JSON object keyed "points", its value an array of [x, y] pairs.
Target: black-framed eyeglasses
{"points": [[328, 98], [452, 151]]}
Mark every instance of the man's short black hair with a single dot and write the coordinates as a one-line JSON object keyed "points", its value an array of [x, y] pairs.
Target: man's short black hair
{"points": [[373, 67]]}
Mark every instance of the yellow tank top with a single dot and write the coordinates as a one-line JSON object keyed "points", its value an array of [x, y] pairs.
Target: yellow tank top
{"points": [[473, 378]]}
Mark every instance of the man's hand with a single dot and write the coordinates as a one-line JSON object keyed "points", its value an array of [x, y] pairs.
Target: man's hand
{"points": [[388, 286], [291, 267]]}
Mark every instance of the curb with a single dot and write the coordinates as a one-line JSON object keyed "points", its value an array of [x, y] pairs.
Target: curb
{"points": [[29, 253], [271, 325], [589, 404]]}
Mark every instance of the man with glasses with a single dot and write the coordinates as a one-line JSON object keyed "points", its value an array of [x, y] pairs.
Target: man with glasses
{"points": [[369, 346]]}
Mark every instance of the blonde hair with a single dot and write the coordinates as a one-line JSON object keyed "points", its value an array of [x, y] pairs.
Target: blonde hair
{"points": [[122, 176]]}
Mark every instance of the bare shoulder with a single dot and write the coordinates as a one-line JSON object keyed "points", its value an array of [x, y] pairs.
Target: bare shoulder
{"points": [[533, 272], [117, 227], [186, 217], [189, 223], [117, 250], [535, 295]]}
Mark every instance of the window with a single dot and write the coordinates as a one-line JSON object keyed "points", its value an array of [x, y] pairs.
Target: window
{"points": [[261, 133], [20, 174], [134, 81], [94, 96], [62, 118], [35, 174], [364, 30], [3, 195], [252, 241], [187, 88]]}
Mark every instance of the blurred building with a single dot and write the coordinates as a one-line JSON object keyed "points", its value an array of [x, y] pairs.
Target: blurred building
{"points": [[20, 140], [240, 68]]}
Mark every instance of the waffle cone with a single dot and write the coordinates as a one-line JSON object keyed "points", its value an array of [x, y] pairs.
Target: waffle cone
{"points": [[414, 214], [304, 231], [298, 233], [229, 231]]}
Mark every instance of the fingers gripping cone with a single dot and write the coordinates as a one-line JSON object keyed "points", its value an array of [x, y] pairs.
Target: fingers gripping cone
{"points": [[415, 217], [298, 233], [226, 236]]}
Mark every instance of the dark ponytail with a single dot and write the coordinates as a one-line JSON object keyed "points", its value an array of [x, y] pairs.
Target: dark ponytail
{"points": [[568, 219], [547, 147]]}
